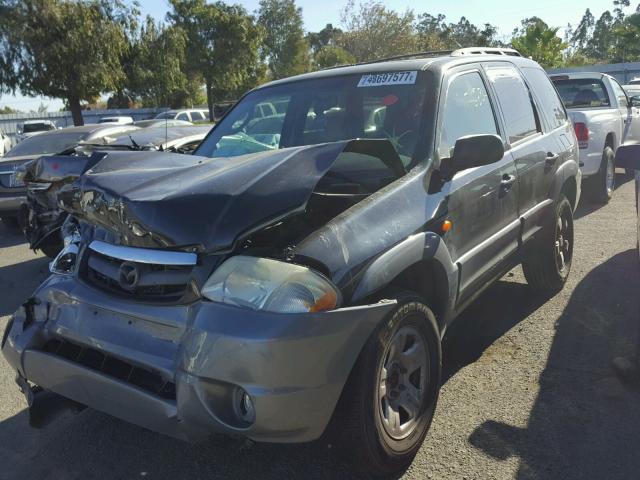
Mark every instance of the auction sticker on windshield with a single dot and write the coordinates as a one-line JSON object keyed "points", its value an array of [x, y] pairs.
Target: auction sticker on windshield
{"points": [[391, 78]]}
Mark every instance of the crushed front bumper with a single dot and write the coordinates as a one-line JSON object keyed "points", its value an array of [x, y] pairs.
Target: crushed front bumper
{"points": [[186, 363]]}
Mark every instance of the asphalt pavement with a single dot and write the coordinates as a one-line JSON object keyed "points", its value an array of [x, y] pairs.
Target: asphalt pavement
{"points": [[530, 388]]}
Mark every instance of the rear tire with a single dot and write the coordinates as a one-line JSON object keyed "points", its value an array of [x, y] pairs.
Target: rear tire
{"points": [[388, 403], [605, 180], [549, 263]]}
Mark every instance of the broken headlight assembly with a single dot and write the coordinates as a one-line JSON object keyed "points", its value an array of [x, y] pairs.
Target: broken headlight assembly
{"points": [[270, 285]]}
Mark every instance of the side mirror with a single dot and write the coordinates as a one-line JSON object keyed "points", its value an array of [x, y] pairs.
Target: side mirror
{"points": [[635, 101], [473, 151], [628, 157]]}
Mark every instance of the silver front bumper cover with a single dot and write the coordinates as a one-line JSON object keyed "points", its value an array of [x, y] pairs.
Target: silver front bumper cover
{"points": [[293, 366]]}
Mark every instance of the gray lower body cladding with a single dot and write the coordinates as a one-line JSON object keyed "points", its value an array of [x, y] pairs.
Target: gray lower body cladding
{"points": [[178, 369]]}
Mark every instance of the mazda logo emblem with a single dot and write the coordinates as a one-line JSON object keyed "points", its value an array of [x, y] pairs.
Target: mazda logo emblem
{"points": [[129, 275]]}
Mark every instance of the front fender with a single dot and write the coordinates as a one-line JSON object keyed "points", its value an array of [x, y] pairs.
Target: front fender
{"points": [[421, 247]]}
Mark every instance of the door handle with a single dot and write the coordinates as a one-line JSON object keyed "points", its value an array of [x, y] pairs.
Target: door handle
{"points": [[507, 181], [552, 158]]}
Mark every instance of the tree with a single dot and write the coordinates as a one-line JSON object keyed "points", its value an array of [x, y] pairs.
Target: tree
{"points": [[372, 31], [332, 55], [63, 49], [535, 39], [157, 73], [222, 44], [582, 33], [8, 109], [284, 46], [601, 39], [436, 34], [626, 34], [326, 37]]}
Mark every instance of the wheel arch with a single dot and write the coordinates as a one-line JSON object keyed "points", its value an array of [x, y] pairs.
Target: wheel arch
{"points": [[421, 264]]}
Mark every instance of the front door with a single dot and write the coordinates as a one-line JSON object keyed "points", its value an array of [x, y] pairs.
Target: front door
{"points": [[482, 201]]}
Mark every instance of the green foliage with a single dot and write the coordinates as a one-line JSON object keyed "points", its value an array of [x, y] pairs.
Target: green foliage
{"points": [[284, 46], [436, 34], [66, 49], [222, 42], [332, 55], [157, 73], [373, 31], [328, 36], [627, 34], [8, 109], [535, 39]]}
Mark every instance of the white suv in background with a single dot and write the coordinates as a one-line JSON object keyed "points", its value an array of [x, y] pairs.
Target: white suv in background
{"points": [[190, 115]]}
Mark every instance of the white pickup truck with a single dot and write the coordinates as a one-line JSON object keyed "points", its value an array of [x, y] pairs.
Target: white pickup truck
{"points": [[604, 117]]}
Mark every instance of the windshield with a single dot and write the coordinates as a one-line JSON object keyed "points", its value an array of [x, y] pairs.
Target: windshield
{"points": [[36, 127], [582, 92], [381, 106], [46, 144]]}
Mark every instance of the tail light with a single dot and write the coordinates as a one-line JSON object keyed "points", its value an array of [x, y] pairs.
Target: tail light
{"points": [[582, 134]]}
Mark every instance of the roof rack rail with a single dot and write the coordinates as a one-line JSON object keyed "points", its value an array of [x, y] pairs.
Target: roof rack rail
{"points": [[430, 53], [427, 54], [485, 51]]}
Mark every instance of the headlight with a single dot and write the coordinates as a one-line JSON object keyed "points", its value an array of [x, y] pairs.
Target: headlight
{"points": [[271, 285]]}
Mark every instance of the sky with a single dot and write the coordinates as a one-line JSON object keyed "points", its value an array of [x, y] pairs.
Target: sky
{"points": [[505, 15]]}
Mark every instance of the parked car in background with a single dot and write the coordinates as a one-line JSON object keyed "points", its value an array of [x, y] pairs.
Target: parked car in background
{"points": [[189, 115], [604, 117], [634, 81], [5, 143], [33, 127], [12, 189], [278, 290], [632, 90], [628, 157], [154, 122], [119, 120], [43, 218]]}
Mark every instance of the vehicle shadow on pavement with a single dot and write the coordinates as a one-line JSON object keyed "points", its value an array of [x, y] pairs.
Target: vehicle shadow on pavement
{"points": [[10, 236], [19, 280], [495, 312], [585, 422], [588, 205]]}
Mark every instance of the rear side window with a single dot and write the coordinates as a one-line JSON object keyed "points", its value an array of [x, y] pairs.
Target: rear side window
{"points": [[466, 111], [183, 116], [515, 101], [197, 116], [547, 96], [582, 92]]}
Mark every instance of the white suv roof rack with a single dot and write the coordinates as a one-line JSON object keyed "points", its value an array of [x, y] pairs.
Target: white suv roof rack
{"points": [[485, 51]]}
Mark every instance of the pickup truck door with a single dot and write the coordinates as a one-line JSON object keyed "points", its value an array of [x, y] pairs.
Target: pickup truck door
{"points": [[482, 201], [630, 115]]}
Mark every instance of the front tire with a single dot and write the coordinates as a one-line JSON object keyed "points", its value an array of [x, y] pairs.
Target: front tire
{"points": [[549, 263], [388, 403]]}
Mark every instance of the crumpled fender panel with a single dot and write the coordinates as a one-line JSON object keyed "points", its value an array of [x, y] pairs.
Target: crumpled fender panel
{"points": [[157, 200]]}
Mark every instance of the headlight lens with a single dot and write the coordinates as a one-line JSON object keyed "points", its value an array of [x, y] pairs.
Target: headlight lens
{"points": [[271, 285]]}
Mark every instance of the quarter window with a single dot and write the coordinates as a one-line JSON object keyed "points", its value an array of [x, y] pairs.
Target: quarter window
{"points": [[515, 101], [466, 111], [183, 116]]}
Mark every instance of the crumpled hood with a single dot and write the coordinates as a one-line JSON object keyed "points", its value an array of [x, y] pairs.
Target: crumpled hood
{"points": [[56, 168], [152, 199]]}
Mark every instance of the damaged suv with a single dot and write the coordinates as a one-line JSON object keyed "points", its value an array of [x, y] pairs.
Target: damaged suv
{"points": [[295, 276]]}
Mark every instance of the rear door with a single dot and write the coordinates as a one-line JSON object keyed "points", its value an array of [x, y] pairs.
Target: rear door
{"points": [[547, 150], [482, 202]]}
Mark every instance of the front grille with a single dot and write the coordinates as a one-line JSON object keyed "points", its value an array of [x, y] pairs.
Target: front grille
{"points": [[134, 279], [142, 378]]}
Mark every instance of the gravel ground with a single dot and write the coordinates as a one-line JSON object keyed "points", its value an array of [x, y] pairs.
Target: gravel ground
{"points": [[530, 388]]}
